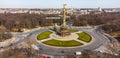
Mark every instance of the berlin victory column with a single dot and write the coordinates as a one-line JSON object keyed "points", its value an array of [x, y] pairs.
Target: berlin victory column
{"points": [[63, 29]]}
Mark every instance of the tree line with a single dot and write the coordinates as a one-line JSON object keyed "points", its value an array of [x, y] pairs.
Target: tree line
{"points": [[110, 21]]}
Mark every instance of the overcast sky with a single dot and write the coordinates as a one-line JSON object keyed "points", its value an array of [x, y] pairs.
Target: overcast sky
{"points": [[59, 3]]}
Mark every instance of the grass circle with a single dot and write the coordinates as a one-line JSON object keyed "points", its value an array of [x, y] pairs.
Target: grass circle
{"points": [[84, 37], [44, 35], [58, 43]]}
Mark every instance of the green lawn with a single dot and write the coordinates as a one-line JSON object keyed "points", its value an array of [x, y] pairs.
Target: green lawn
{"points": [[84, 37], [59, 43], [72, 30], [44, 35]]}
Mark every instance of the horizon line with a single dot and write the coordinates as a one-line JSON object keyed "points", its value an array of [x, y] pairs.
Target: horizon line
{"points": [[55, 8]]}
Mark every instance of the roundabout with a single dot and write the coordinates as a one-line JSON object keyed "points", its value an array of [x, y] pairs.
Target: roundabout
{"points": [[98, 40], [78, 38], [52, 45]]}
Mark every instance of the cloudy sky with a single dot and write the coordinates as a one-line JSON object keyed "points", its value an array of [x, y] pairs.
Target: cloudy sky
{"points": [[58, 3]]}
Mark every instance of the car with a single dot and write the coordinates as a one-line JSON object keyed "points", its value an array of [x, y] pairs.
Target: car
{"points": [[30, 33], [78, 53], [1, 47], [48, 57], [62, 51], [40, 48], [11, 44]]}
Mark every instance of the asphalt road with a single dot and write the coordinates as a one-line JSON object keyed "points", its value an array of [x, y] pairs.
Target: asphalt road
{"points": [[98, 40]]}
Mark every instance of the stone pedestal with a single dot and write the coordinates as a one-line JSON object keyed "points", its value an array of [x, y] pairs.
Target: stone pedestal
{"points": [[64, 32]]}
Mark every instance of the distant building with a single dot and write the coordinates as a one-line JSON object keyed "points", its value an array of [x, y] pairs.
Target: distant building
{"points": [[76, 11]]}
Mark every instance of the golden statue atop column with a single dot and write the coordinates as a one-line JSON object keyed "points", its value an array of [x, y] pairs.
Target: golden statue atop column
{"points": [[64, 14], [63, 29]]}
